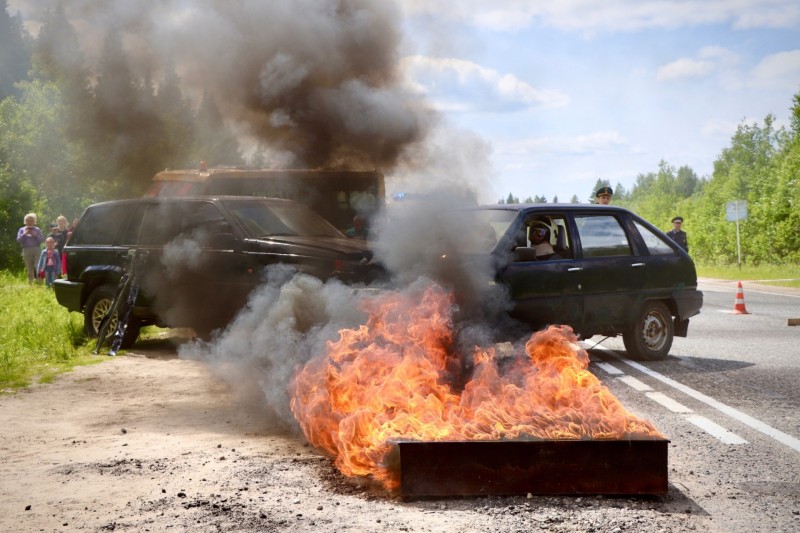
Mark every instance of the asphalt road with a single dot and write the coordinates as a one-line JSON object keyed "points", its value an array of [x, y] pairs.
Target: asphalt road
{"points": [[728, 398]]}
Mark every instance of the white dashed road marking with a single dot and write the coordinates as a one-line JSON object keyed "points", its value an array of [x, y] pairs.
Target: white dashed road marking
{"points": [[635, 383], [610, 369], [669, 403], [716, 430], [744, 418]]}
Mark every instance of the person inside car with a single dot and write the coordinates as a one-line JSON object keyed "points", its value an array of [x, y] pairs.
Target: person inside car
{"points": [[539, 234], [358, 230]]}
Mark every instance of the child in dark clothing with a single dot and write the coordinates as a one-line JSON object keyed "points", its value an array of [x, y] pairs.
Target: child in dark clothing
{"points": [[60, 233], [60, 236]]}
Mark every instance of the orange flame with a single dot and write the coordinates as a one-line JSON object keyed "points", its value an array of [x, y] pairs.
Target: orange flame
{"points": [[397, 378]]}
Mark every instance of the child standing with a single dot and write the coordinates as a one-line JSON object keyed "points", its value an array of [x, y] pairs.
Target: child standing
{"points": [[49, 262]]}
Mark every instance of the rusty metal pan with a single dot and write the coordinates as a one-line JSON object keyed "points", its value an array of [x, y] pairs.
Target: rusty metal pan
{"points": [[541, 467]]}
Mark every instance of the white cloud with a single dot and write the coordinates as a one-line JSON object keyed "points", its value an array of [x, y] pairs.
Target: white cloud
{"points": [[719, 54], [710, 60], [610, 15], [598, 142], [722, 129], [684, 68], [725, 129], [766, 14], [781, 70], [470, 86]]}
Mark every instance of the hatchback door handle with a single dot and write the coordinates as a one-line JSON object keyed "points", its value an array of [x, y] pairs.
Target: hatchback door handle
{"points": [[637, 265]]}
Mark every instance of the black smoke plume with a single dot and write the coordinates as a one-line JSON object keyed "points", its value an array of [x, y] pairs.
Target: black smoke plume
{"points": [[315, 81]]}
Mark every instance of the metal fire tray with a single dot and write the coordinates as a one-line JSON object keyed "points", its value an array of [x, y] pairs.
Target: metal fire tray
{"points": [[542, 467]]}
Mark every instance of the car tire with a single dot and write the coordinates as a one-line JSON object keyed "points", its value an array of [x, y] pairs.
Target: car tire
{"points": [[651, 337], [97, 306]]}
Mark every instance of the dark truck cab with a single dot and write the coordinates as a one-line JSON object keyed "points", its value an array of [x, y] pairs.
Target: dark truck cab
{"points": [[336, 195], [204, 257]]}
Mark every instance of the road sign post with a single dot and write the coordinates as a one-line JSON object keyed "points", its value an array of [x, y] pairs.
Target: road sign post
{"points": [[736, 211]]}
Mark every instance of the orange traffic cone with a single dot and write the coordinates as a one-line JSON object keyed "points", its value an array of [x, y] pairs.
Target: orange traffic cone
{"points": [[738, 306]]}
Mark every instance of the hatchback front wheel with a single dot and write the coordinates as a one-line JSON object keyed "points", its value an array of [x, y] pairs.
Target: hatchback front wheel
{"points": [[651, 336]]}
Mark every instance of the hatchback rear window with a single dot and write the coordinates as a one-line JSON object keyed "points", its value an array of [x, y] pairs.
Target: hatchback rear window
{"points": [[655, 244], [478, 231]]}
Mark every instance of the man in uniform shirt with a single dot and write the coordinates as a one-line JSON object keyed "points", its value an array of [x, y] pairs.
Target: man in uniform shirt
{"points": [[677, 234]]}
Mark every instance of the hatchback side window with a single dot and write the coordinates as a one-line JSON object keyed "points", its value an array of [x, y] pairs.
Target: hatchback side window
{"points": [[602, 236], [544, 236], [655, 245]]}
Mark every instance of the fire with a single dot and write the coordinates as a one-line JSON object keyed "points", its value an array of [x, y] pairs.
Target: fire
{"points": [[397, 377]]}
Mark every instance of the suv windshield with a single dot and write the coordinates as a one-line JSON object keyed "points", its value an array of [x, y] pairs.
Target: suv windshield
{"points": [[264, 219]]}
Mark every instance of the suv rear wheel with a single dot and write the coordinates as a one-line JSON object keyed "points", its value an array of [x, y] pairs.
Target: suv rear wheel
{"points": [[651, 336], [97, 307]]}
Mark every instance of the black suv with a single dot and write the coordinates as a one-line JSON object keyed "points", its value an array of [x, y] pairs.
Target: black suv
{"points": [[601, 269], [204, 255]]}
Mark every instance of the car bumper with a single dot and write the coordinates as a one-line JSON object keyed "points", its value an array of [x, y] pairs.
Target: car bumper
{"points": [[68, 294], [688, 303]]}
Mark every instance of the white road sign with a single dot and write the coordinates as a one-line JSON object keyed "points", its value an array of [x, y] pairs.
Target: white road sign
{"points": [[736, 210]]}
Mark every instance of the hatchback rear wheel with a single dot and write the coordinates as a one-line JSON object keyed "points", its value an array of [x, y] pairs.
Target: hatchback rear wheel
{"points": [[651, 336]]}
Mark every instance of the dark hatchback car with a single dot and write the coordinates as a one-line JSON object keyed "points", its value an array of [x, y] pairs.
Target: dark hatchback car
{"points": [[601, 269], [204, 255]]}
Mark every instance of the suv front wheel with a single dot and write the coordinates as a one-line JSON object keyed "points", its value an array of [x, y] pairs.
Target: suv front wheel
{"points": [[651, 336], [97, 307]]}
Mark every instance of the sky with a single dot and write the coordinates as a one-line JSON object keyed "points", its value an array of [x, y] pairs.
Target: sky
{"points": [[531, 97], [565, 93]]}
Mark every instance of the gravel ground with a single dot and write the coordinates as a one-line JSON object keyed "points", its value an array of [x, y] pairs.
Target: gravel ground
{"points": [[150, 442]]}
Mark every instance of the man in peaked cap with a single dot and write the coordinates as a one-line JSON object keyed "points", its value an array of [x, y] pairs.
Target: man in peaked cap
{"points": [[677, 234], [603, 195]]}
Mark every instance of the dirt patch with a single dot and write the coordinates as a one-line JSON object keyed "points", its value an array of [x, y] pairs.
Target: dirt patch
{"points": [[150, 442]]}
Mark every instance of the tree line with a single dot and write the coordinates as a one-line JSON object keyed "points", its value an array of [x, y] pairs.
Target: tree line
{"points": [[70, 137]]}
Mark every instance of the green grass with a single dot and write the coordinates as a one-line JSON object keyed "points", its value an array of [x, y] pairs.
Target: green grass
{"points": [[39, 339], [781, 275]]}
